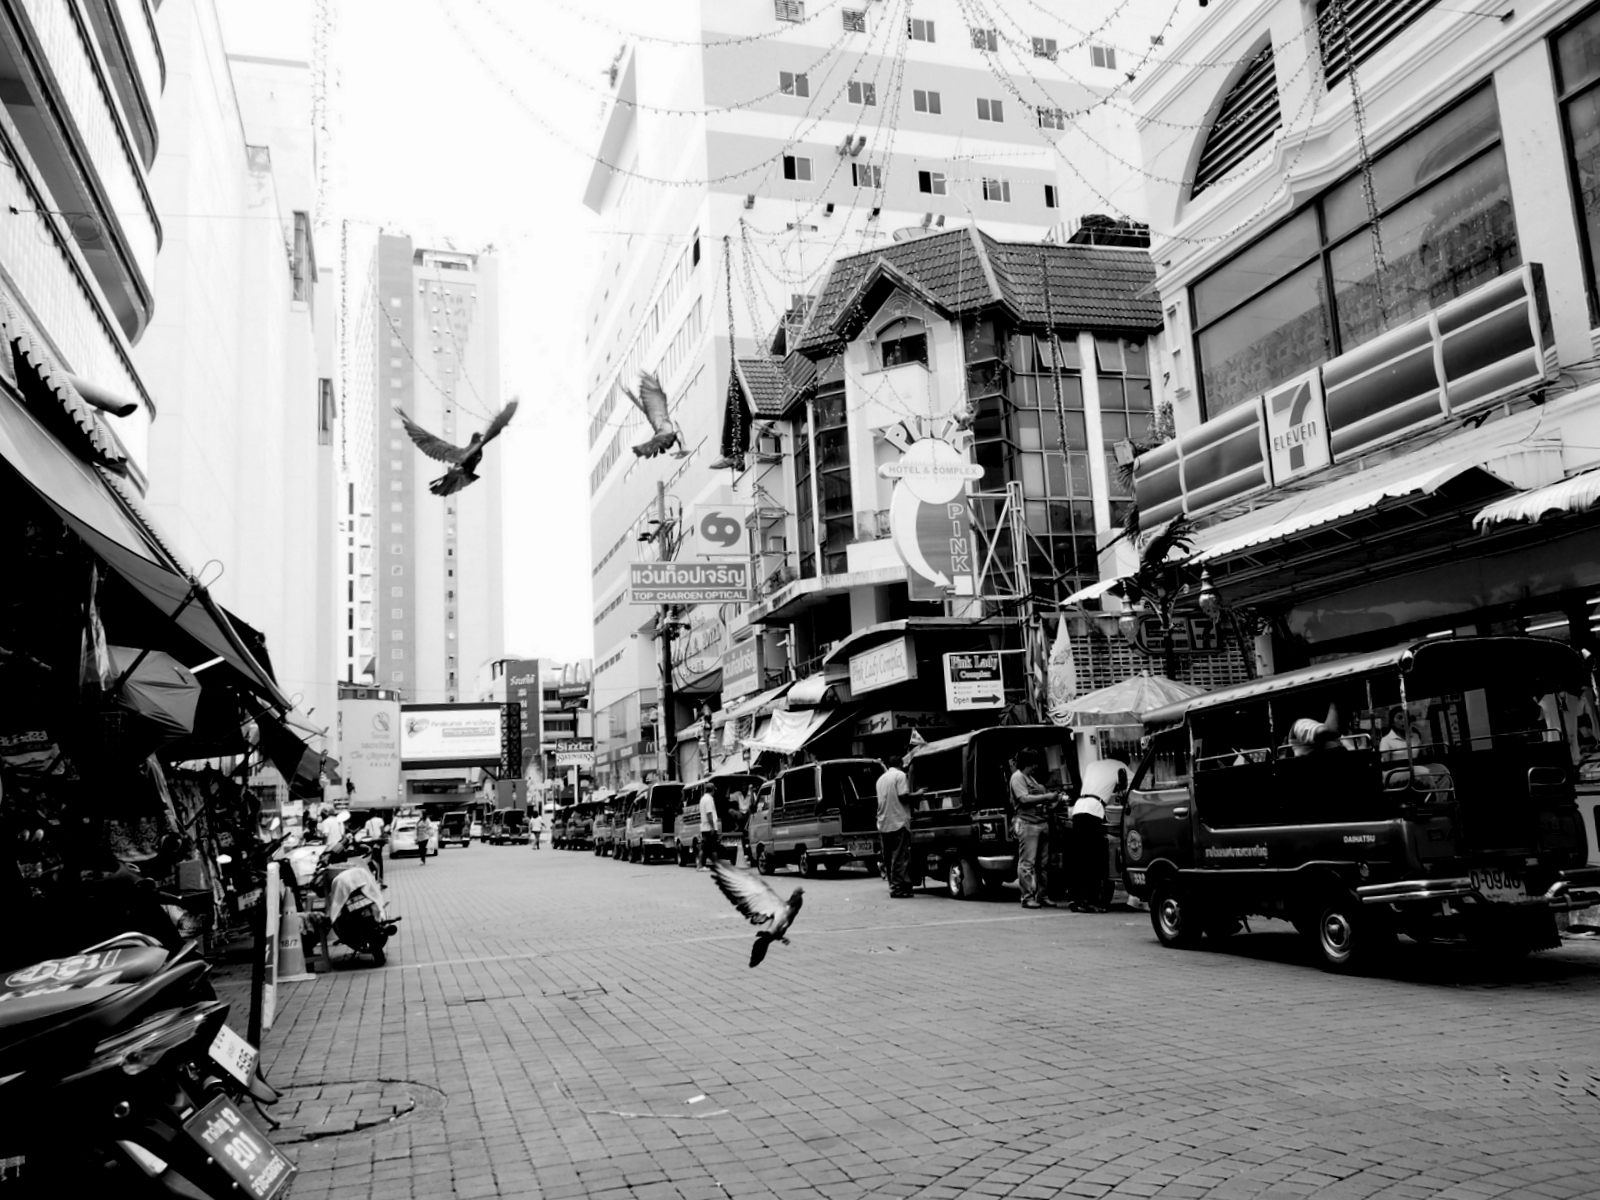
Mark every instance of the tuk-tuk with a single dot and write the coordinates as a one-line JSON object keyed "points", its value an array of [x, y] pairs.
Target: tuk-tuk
{"points": [[725, 790], [652, 812], [558, 826], [1427, 789], [818, 814], [580, 825], [605, 827], [961, 811]]}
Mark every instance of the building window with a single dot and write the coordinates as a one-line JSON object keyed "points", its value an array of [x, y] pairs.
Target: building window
{"points": [[855, 21], [1051, 200], [866, 175], [903, 341], [1370, 26], [789, 10], [795, 167], [832, 441], [998, 190], [986, 39], [793, 83], [1044, 48], [1309, 291], [397, 655], [862, 93], [990, 110], [927, 102], [1577, 55], [931, 182], [1052, 118], [326, 412], [920, 30], [1103, 56]]}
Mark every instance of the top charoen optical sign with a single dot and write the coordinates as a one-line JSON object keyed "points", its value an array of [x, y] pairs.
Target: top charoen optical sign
{"points": [[689, 583]]}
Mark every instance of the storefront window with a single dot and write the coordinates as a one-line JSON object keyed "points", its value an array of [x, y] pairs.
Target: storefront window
{"points": [[832, 440], [1310, 290], [804, 512], [1577, 55]]}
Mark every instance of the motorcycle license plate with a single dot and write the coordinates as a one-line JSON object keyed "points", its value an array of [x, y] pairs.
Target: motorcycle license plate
{"points": [[234, 1055], [1500, 887], [240, 1149], [357, 903], [861, 846]]}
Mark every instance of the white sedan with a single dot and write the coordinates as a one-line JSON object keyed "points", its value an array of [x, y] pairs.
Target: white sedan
{"points": [[403, 838]]}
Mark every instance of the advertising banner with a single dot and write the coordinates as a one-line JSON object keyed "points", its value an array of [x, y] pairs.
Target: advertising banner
{"points": [[369, 752], [523, 688], [575, 752], [973, 681], [882, 666], [741, 670], [689, 583], [449, 735]]}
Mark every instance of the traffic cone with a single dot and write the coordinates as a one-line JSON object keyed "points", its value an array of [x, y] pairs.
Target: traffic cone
{"points": [[291, 955]]}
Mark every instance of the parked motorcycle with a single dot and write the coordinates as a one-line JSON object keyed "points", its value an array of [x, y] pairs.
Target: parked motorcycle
{"points": [[352, 909], [118, 1074]]}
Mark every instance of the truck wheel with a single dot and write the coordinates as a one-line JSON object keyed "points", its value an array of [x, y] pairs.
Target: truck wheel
{"points": [[961, 879], [1174, 916], [1345, 937], [808, 868], [763, 861]]}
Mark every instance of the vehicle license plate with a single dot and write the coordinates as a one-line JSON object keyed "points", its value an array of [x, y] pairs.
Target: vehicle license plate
{"points": [[357, 903], [234, 1055], [240, 1149], [862, 846], [1499, 887]]}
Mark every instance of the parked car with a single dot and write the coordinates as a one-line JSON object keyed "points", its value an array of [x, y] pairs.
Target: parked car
{"points": [[725, 790], [476, 829], [403, 838], [580, 825], [652, 813], [455, 829], [605, 830], [818, 814], [961, 811], [1426, 790], [508, 826]]}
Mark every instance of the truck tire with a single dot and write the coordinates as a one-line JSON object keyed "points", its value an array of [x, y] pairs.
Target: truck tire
{"points": [[961, 879], [1345, 937], [764, 861], [1175, 917], [807, 864]]}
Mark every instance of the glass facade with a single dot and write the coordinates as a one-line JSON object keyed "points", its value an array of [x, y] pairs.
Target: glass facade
{"points": [[1311, 289], [1577, 61]]}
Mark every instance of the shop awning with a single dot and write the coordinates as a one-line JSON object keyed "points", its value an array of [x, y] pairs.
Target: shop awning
{"points": [[833, 719], [786, 732], [300, 765], [110, 520], [1093, 592], [1578, 494], [757, 705], [811, 691]]}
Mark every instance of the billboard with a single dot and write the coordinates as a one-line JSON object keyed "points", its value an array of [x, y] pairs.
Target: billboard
{"points": [[369, 752], [688, 583], [449, 735], [523, 688]]}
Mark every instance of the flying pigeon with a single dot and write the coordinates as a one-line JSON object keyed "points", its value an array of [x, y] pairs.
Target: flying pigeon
{"points": [[760, 906], [652, 402], [463, 460]]}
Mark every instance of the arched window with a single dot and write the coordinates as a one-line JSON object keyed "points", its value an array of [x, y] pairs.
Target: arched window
{"points": [[1248, 118], [903, 341]]}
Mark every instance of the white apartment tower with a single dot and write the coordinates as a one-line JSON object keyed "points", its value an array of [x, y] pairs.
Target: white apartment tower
{"points": [[756, 143]]}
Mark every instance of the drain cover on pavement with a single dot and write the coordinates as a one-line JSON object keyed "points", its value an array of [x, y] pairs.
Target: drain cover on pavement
{"points": [[331, 1108]]}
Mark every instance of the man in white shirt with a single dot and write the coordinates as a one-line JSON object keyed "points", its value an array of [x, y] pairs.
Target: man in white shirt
{"points": [[332, 829], [894, 829], [1102, 780], [710, 828], [372, 832], [1398, 742]]}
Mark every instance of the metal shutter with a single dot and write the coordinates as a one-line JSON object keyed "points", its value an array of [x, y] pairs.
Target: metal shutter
{"points": [[1248, 118]]}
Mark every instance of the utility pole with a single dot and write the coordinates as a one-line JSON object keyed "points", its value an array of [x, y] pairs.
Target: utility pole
{"points": [[664, 725]]}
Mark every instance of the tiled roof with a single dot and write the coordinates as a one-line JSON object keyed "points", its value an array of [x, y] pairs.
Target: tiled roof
{"points": [[765, 384], [1091, 287]]}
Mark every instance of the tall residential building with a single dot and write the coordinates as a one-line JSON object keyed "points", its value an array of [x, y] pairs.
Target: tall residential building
{"points": [[788, 135], [429, 342]]}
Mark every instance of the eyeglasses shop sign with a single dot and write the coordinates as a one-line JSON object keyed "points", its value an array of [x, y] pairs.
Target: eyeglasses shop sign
{"points": [[882, 666], [688, 583]]}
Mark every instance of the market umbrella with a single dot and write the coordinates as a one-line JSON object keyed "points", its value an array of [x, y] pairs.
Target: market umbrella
{"points": [[1125, 703], [160, 689]]}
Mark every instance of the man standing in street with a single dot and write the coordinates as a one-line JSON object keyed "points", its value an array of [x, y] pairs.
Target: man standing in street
{"points": [[424, 836], [710, 828], [894, 828], [373, 832], [1032, 827]]}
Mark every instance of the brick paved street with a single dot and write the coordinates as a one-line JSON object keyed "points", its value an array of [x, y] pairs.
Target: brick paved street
{"points": [[552, 1024]]}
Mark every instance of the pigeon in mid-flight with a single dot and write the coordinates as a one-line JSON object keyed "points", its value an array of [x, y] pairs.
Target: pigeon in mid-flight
{"points": [[463, 460], [760, 906], [651, 400]]}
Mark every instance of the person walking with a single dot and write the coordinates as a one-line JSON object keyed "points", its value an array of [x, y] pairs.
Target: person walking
{"points": [[894, 829], [373, 832], [424, 836], [710, 828], [535, 826], [1032, 828]]}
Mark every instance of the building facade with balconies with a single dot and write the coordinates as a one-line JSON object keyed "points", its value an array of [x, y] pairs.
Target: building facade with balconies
{"points": [[1377, 272]]}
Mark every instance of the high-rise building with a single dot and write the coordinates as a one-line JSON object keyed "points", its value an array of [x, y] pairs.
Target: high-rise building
{"points": [[425, 571], [743, 152]]}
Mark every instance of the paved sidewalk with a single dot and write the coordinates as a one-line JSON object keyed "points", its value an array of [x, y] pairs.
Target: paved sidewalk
{"points": [[552, 1024]]}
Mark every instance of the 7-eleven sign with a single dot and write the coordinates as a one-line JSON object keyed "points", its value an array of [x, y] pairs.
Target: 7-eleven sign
{"points": [[1297, 428]]}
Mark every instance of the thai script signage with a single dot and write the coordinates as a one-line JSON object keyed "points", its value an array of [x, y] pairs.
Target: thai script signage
{"points": [[688, 583]]}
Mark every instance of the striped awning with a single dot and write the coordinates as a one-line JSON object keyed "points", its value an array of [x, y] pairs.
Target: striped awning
{"points": [[1577, 494]]}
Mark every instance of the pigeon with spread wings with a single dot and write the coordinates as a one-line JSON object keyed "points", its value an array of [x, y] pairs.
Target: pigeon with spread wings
{"points": [[463, 460], [760, 906], [651, 400]]}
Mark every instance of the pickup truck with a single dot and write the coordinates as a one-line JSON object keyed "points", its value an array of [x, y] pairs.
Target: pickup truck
{"points": [[647, 834], [726, 791], [818, 814], [961, 810]]}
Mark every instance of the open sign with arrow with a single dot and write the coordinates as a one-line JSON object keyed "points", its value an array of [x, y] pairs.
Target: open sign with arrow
{"points": [[972, 681]]}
